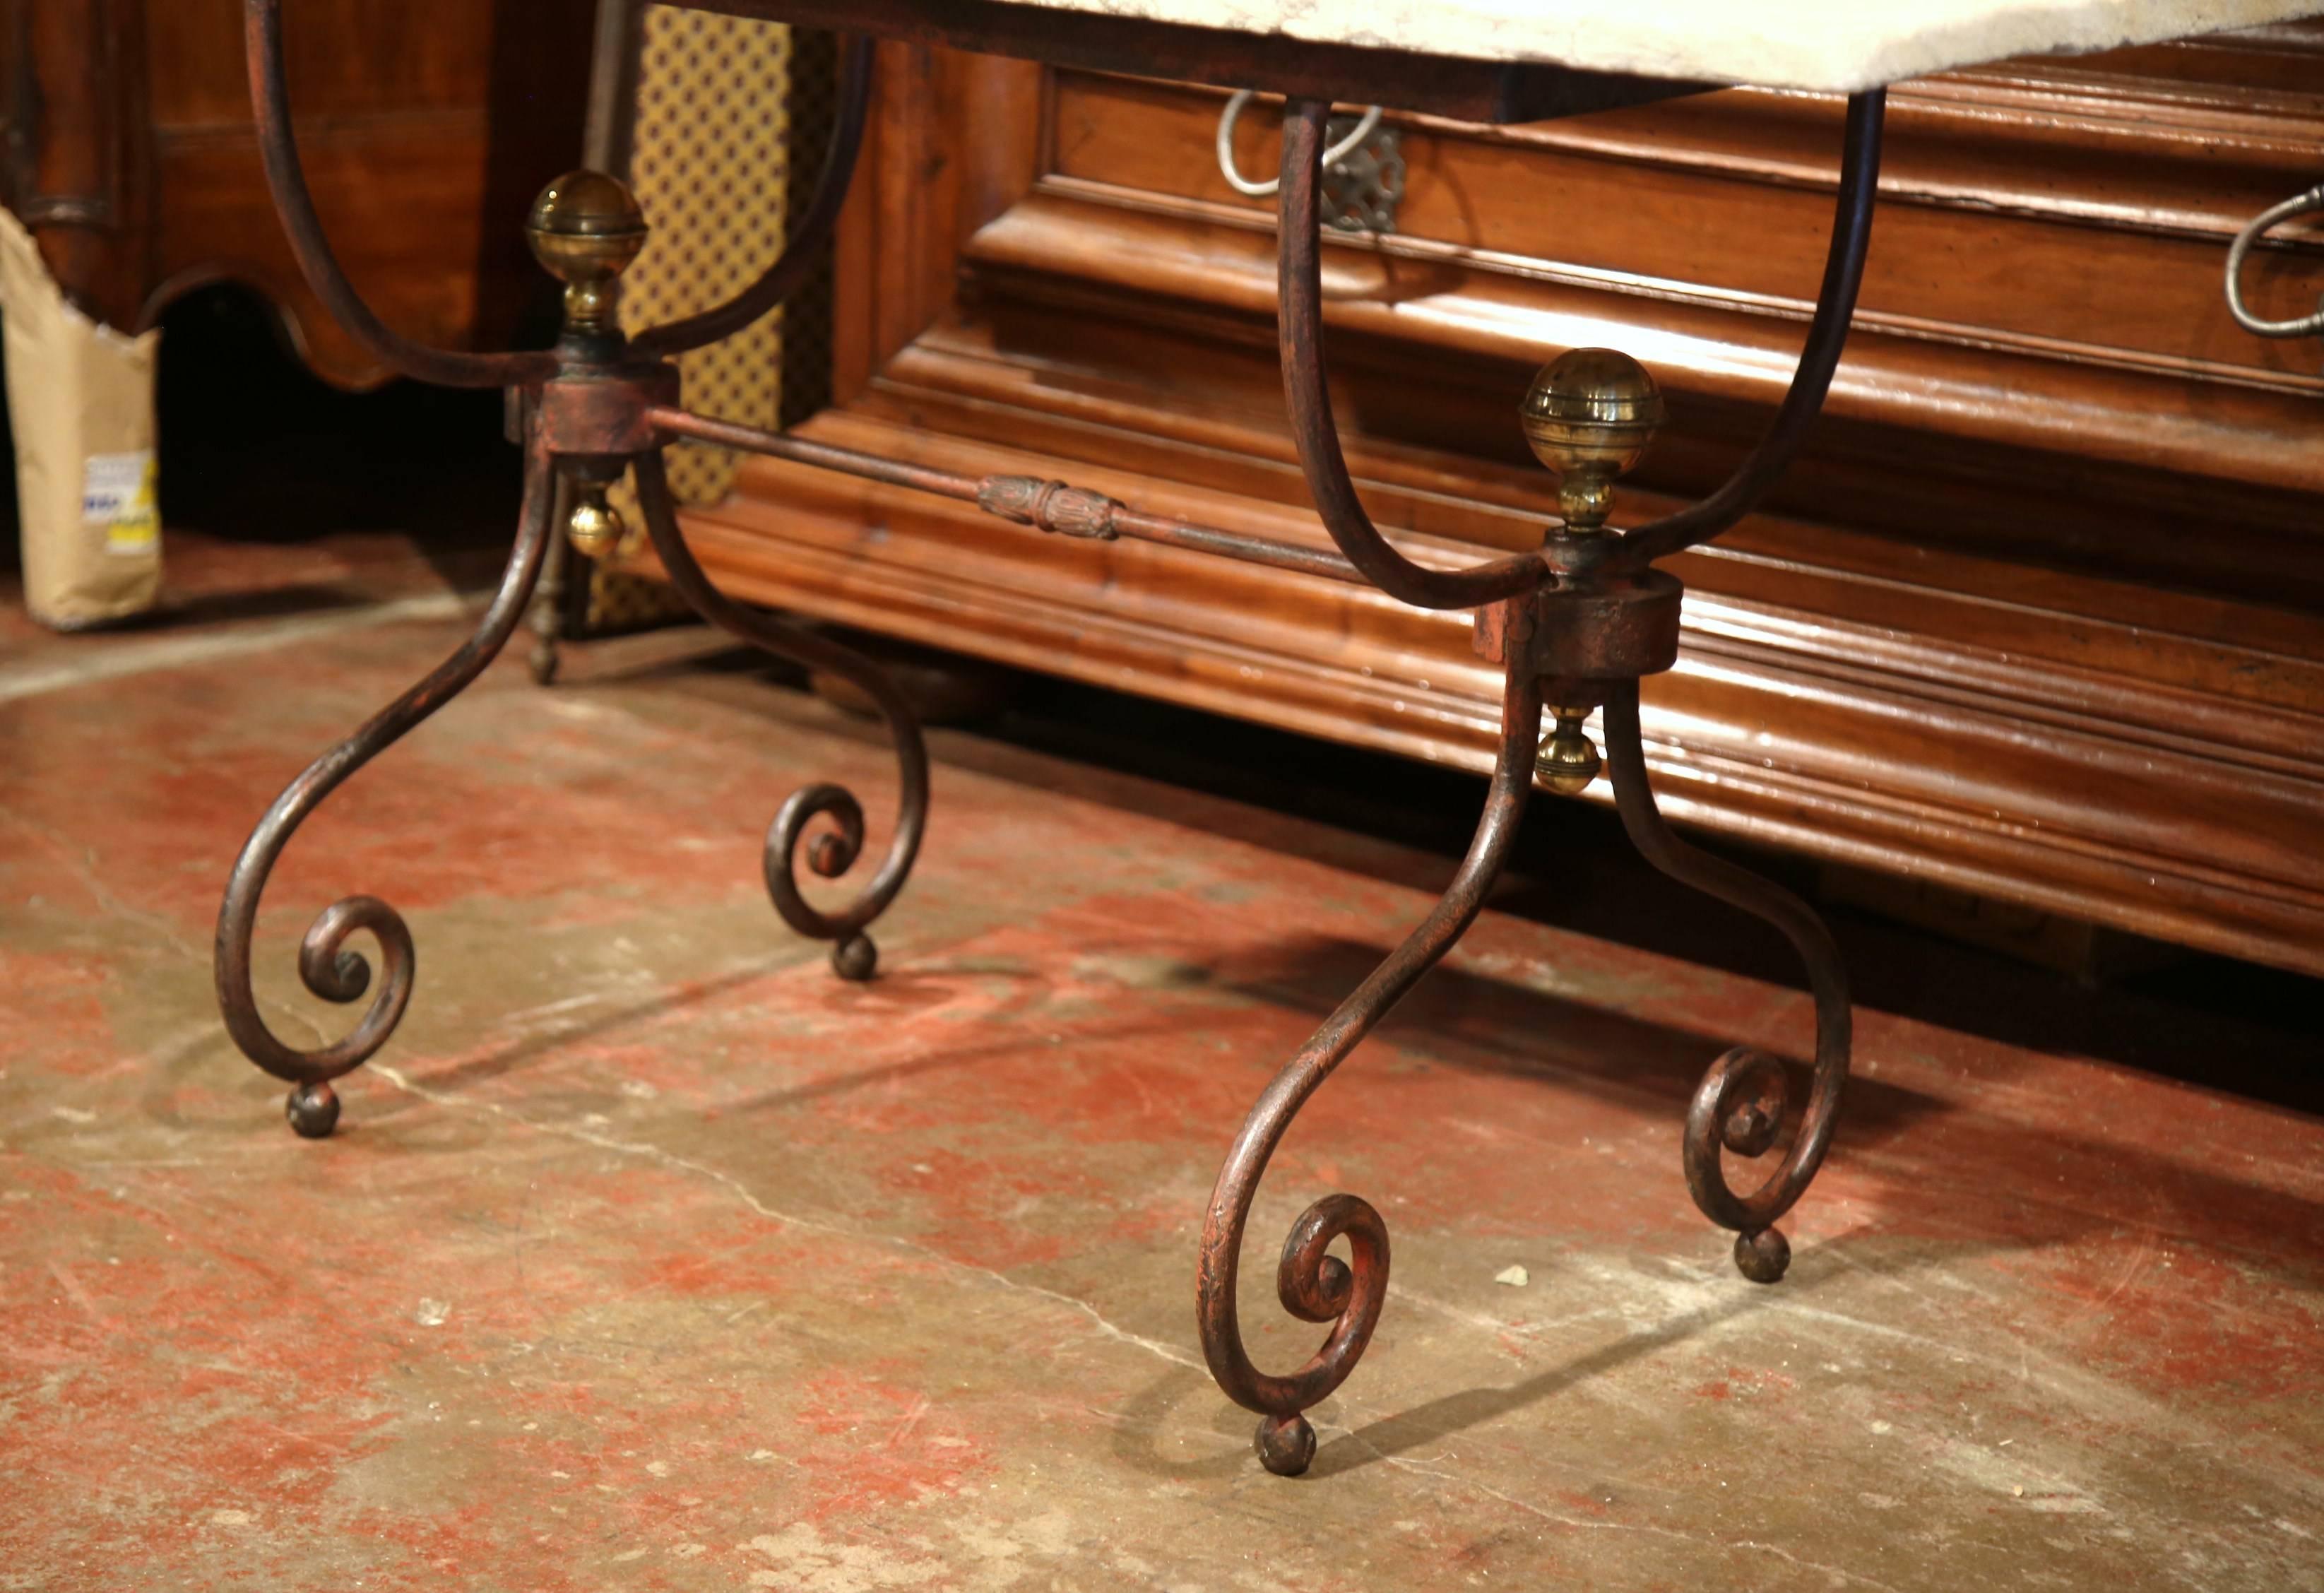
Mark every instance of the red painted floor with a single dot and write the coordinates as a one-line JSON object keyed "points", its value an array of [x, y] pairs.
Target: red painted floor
{"points": [[651, 1256]]}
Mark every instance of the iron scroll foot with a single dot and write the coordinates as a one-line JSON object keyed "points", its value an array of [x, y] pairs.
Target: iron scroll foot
{"points": [[326, 966], [1312, 1284], [584, 404], [853, 955], [1744, 1101]]}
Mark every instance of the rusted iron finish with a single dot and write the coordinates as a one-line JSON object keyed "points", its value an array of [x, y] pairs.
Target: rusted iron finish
{"points": [[1596, 629], [810, 237], [1051, 505], [1616, 629], [605, 411], [1743, 1100], [1077, 512], [1299, 331], [581, 409], [1313, 1286], [672, 421], [1249, 549], [1843, 273], [1017, 498], [834, 852], [325, 964], [287, 182]]}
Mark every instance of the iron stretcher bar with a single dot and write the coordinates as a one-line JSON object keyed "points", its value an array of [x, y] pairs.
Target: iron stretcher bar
{"points": [[1025, 499]]}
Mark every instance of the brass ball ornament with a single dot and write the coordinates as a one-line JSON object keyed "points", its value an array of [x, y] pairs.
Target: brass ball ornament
{"points": [[1568, 760], [1590, 416], [586, 227], [595, 527]]}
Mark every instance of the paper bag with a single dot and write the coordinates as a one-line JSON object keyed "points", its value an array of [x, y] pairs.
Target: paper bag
{"points": [[81, 400]]}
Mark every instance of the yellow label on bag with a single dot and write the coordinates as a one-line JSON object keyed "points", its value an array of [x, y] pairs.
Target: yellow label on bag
{"points": [[119, 491]]}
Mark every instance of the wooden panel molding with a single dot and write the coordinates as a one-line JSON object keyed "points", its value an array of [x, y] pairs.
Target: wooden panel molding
{"points": [[2040, 616]]}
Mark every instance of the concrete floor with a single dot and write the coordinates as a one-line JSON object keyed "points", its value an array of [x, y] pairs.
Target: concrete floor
{"points": [[650, 1256]]}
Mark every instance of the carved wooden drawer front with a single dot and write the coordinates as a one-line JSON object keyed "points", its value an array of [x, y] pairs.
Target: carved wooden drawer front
{"points": [[2041, 615]]}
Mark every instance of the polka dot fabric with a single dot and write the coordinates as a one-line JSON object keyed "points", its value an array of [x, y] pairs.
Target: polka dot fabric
{"points": [[709, 163]]}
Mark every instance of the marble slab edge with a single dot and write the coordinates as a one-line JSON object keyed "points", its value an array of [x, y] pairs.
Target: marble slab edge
{"points": [[1528, 60]]}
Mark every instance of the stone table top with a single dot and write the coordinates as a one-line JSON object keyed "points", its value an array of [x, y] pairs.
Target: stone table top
{"points": [[1819, 45]]}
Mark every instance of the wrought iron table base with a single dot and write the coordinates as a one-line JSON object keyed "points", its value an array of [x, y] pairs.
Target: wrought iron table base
{"points": [[1576, 624]]}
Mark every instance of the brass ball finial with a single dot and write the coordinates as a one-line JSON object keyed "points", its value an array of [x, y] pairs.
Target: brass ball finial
{"points": [[1590, 414], [585, 229], [1567, 761], [595, 527]]}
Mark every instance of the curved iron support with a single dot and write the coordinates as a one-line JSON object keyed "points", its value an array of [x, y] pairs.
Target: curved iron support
{"points": [[1299, 331], [1742, 1101], [831, 854], [325, 965], [1843, 273], [806, 243], [1313, 1286], [278, 150]]}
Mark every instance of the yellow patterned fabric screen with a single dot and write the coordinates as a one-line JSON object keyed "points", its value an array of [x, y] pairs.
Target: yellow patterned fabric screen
{"points": [[709, 160]]}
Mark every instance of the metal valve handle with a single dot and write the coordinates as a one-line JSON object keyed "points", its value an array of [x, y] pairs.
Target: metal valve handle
{"points": [[2306, 325]]}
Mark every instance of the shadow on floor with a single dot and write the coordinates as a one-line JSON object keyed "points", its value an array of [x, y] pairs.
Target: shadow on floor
{"points": [[2227, 1025], [1959, 1160]]}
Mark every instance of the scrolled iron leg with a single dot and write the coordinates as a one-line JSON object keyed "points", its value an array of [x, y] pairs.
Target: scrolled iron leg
{"points": [[1743, 1100], [325, 965], [832, 851], [545, 616], [1314, 1285]]}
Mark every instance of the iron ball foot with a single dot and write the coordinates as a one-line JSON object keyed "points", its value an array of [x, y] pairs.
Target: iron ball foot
{"points": [[313, 1111], [1762, 1257], [1286, 1445], [854, 958]]}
